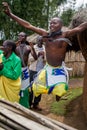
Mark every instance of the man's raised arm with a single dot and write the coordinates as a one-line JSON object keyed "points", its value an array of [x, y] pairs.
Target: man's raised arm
{"points": [[22, 22], [76, 30]]}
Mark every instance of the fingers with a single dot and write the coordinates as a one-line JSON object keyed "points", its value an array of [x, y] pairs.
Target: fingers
{"points": [[5, 4], [6, 8], [31, 44]]}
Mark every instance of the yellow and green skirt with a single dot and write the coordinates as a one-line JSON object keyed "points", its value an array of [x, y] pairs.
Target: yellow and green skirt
{"points": [[51, 80]]}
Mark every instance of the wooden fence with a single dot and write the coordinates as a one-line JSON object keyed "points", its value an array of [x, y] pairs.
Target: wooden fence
{"points": [[76, 61]]}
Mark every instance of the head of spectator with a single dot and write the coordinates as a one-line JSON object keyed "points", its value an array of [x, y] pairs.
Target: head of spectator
{"points": [[9, 46], [39, 41], [22, 38]]}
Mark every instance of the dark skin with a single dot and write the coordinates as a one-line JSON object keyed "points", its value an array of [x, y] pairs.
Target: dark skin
{"points": [[25, 49], [7, 51], [40, 44], [55, 51], [26, 53]]}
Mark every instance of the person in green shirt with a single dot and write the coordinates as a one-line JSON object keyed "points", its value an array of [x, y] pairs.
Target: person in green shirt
{"points": [[10, 72]]}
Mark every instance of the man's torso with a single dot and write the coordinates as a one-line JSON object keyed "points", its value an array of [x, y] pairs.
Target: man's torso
{"points": [[55, 50], [23, 52]]}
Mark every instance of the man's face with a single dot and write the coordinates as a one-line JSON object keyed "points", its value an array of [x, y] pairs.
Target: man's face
{"points": [[6, 49], [39, 42], [22, 37], [55, 25]]}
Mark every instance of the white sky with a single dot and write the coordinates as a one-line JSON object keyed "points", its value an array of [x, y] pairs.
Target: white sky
{"points": [[80, 2]]}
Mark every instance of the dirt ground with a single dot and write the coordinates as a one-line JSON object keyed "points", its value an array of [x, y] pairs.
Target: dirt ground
{"points": [[75, 117]]}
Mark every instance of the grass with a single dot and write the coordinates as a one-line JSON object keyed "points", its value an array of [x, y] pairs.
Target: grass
{"points": [[59, 108]]}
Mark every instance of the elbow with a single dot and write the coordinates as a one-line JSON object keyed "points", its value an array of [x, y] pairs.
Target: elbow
{"points": [[35, 58]]}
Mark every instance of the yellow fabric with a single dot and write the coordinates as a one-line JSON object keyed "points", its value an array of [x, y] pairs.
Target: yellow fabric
{"points": [[39, 86], [1, 58], [9, 89], [42, 77], [59, 90], [40, 90]]}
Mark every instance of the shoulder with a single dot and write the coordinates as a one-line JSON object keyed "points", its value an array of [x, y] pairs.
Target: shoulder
{"points": [[71, 32], [28, 48], [16, 58], [65, 33]]}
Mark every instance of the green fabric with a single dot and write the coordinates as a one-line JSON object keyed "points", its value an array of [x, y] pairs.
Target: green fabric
{"points": [[24, 97], [12, 66], [1, 52], [66, 87]]}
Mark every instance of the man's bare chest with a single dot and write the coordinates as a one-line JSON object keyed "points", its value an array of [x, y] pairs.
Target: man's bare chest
{"points": [[22, 50], [54, 43]]}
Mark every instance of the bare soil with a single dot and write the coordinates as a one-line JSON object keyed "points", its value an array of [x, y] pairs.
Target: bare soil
{"points": [[75, 116]]}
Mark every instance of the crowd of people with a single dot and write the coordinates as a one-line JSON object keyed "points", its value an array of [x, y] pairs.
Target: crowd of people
{"points": [[47, 78], [31, 59], [10, 72]]}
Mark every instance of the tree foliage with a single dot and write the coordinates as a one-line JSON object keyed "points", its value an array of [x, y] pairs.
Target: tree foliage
{"points": [[67, 16], [37, 12], [68, 12], [30, 10]]}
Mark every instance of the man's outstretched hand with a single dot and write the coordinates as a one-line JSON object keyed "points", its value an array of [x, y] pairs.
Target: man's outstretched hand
{"points": [[6, 8]]}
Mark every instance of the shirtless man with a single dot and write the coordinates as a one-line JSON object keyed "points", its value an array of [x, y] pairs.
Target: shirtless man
{"points": [[52, 78], [22, 36], [23, 49]]}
